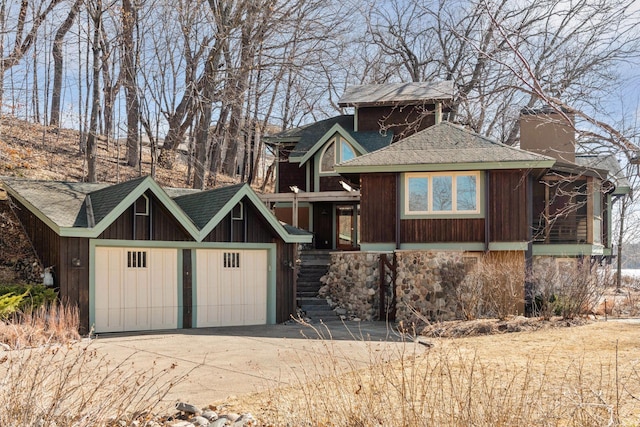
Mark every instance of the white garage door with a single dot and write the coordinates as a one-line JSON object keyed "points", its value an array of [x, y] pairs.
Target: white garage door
{"points": [[231, 287], [136, 289]]}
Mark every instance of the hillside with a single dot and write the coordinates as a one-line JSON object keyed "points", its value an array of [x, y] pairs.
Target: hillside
{"points": [[34, 151]]}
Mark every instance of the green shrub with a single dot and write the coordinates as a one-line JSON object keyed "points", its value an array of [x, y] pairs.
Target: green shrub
{"points": [[34, 295], [9, 304]]}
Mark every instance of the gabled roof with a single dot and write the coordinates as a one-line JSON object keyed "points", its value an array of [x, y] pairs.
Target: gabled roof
{"points": [[610, 164], [87, 209], [311, 137], [445, 146], [396, 93], [208, 208]]}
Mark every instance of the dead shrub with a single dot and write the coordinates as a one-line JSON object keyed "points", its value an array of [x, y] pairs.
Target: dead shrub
{"points": [[492, 288], [566, 289], [71, 385], [54, 323]]}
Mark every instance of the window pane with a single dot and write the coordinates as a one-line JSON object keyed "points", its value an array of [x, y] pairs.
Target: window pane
{"points": [[346, 152], [442, 193], [328, 159], [466, 188], [418, 194]]}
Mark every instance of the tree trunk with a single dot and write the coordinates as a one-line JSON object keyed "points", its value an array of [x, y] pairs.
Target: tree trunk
{"points": [[129, 20], [95, 98], [56, 52]]}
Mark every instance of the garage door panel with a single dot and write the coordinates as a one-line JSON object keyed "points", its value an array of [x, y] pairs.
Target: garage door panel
{"points": [[231, 287], [135, 289]]}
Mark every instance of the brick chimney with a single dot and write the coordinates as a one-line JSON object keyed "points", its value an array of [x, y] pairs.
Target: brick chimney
{"points": [[545, 131]]}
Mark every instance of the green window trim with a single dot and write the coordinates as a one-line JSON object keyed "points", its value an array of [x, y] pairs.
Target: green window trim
{"points": [[336, 150], [450, 185]]}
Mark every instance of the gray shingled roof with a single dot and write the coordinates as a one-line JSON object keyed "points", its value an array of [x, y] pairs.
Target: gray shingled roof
{"points": [[203, 206], [62, 202], [396, 93], [444, 143], [105, 200], [310, 135], [608, 163]]}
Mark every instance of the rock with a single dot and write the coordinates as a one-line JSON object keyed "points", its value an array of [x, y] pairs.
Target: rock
{"points": [[245, 420], [220, 422], [199, 421], [181, 423], [210, 415], [231, 416], [341, 311], [188, 408], [4, 346]]}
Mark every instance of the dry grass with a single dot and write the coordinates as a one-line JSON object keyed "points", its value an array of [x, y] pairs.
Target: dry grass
{"points": [[47, 324], [72, 386], [580, 376]]}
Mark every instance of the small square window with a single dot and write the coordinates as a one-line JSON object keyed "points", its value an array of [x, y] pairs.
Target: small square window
{"points": [[137, 259], [231, 259]]}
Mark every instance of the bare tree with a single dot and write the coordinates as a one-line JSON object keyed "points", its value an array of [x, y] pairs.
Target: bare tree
{"points": [[17, 34], [58, 70]]}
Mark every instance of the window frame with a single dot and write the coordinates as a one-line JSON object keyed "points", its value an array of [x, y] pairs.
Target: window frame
{"points": [[454, 212], [337, 142]]}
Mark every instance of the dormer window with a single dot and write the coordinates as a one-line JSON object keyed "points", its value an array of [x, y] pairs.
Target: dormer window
{"points": [[337, 151]]}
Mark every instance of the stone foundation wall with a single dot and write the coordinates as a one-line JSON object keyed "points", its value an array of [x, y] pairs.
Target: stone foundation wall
{"points": [[352, 284], [430, 285], [425, 285]]}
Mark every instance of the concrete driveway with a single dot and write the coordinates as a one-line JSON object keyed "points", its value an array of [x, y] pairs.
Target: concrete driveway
{"points": [[234, 360]]}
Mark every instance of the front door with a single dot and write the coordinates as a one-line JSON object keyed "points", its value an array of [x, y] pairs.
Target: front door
{"points": [[347, 227]]}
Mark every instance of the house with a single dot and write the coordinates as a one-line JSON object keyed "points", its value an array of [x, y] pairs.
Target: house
{"points": [[325, 202], [433, 193], [134, 256]]}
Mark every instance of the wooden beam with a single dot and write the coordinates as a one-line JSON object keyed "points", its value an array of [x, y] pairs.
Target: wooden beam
{"points": [[321, 196]]}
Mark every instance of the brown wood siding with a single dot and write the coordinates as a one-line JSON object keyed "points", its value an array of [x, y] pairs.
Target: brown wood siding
{"points": [[74, 280], [286, 215], [507, 207], [402, 120], [285, 281], [378, 208], [252, 229], [447, 230], [44, 240], [164, 226], [291, 174], [330, 183]]}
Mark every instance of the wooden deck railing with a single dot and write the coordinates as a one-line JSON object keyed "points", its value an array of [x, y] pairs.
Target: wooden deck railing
{"points": [[570, 229]]}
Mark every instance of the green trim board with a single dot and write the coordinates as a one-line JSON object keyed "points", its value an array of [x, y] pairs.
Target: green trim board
{"points": [[194, 289], [377, 247], [443, 167], [246, 191], [147, 184], [508, 246], [331, 133], [461, 247], [180, 265], [569, 250]]}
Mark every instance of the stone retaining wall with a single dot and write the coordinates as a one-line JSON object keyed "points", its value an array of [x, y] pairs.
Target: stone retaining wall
{"points": [[352, 284], [425, 283]]}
